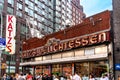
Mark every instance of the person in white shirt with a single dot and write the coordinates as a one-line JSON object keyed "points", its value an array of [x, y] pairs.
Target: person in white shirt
{"points": [[105, 77], [56, 78], [91, 77], [76, 77]]}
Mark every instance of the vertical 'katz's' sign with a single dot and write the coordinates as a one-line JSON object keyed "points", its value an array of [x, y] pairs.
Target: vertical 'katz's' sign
{"points": [[10, 33]]}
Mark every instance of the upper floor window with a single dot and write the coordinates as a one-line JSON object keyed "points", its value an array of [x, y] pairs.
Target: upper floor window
{"points": [[26, 9], [31, 12], [58, 2], [36, 8], [18, 13], [36, 1], [1, 1], [26, 1], [24, 29], [31, 5], [11, 2], [19, 6], [1, 6], [10, 10]]}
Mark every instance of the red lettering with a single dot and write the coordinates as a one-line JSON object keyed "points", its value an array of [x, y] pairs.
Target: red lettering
{"points": [[10, 32], [10, 18], [9, 48], [9, 41], [10, 26]]}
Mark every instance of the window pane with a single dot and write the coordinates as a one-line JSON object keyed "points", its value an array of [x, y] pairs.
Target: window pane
{"points": [[1, 6], [18, 13], [89, 51], [9, 10], [101, 49], [11, 2], [19, 6]]}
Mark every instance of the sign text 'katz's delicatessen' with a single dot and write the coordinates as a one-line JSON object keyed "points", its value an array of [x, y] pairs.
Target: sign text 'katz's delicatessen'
{"points": [[63, 45]]}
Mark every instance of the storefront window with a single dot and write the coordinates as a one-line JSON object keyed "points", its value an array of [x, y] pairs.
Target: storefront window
{"points": [[46, 69], [97, 68], [57, 69], [67, 68], [82, 68], [28, 70], [38, 69]]}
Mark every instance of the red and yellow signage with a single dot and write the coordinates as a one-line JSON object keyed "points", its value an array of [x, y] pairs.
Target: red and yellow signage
{"points": [[67, 44], [10, 33]]}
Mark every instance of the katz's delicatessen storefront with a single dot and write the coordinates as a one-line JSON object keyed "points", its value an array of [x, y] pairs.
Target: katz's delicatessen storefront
{"points": [[85, 48]]}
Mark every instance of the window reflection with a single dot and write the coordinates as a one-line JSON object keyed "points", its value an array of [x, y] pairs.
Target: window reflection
{"points": [[10, 10], [97, 68], [11, 2]]}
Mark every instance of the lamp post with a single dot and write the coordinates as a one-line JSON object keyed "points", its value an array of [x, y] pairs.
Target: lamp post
{"points": [[1, 42], [9, 64], [1, 48], [0, 62]]}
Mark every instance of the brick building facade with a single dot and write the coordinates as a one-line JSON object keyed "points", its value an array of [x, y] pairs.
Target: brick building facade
{"points": [[82, 48]]}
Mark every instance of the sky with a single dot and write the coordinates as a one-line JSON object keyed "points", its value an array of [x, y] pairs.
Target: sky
{"points": [[91, 7]]}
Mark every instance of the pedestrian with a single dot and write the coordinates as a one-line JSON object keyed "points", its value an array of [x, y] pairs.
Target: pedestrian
{"points": [[118, 77], [76, 77], [21, 77], [69, 77], [104, 77], [29, 76], [4, 77], [91, 77], [56, 77], [11, 77], [16, 76]]}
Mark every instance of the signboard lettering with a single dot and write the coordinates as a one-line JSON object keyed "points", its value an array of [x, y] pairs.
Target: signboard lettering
{"points": [[67, 45], [10, 34]]}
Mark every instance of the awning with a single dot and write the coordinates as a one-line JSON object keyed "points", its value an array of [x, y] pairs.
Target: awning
{"points": [[68, 59]]}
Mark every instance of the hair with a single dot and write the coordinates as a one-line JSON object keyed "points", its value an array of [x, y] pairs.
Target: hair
{"points": [[76, 72], [29, 73]]}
